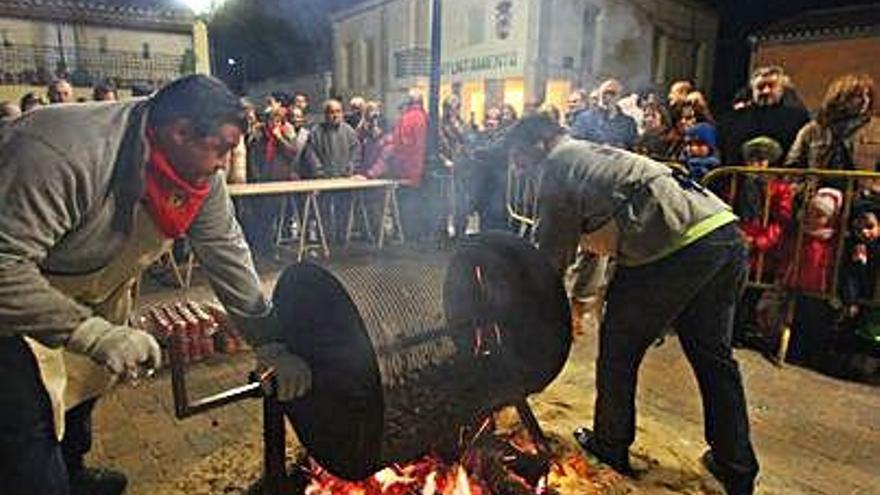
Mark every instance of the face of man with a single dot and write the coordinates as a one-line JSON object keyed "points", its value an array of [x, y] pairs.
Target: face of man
{"points": [[61, 92], [301, 102], [197, 158], [609, 95], [767, 90], [297, 118], [333, 113]]}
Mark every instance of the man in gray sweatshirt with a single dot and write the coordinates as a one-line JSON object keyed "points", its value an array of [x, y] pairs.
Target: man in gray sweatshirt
{"points": [[91, 195], [681, 262]]}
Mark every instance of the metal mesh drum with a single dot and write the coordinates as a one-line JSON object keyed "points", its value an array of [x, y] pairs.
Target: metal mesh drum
{"points": [[406, 353]]}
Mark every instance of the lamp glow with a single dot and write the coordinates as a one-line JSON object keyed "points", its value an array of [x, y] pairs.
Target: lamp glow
{"points": [[201, 7]]}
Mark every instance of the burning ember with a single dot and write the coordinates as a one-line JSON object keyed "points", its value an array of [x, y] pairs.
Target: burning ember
{"points": [[494, 466]]}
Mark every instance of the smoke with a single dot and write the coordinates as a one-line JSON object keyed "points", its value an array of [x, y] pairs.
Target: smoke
{"points": [[625, 45]]}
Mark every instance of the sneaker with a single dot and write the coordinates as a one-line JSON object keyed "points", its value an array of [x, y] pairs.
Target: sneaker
{"points": [[618, 461], [97, 481], [731, 486]]}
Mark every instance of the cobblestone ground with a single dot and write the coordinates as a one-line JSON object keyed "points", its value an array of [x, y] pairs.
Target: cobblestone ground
{"points": [[813, 434]]}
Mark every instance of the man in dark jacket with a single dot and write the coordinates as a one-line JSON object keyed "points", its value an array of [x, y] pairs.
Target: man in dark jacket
{"points": [[681, 262], [333, 148], [767, 115], [92, 194], [606, 123]]}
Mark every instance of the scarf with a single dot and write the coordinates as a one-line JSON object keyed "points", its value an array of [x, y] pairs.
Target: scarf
{"points": [[172, 202], [271, 144]]}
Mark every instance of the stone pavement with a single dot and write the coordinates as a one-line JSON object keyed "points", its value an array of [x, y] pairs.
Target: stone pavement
{"points": [[813, 434]]}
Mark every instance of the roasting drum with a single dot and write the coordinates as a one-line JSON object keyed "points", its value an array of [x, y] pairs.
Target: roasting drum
{"points": [[406, 352]]}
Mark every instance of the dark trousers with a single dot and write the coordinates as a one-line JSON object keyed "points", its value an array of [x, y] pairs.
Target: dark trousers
{"points": [[32, 461], [694, 290]]}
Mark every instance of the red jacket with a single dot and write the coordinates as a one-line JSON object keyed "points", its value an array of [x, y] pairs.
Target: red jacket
{"points": [[814, 265], [766, 238], [404, 156]]}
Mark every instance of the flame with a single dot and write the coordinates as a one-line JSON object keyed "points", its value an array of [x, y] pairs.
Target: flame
{"points": [[568, 474]]}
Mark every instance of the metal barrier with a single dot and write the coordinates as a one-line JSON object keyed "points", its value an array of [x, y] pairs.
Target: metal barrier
{"points": [[804, 184], [523, 187]]}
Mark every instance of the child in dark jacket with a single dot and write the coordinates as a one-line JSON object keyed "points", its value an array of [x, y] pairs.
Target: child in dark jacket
{"points": [[858, 278], [701, 150]]}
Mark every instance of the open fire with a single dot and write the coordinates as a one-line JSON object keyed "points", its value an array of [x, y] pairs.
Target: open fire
{"points": [[493, 465]]}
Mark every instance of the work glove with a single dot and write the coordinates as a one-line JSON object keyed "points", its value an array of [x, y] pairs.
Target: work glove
{"points": [[292, 376], [121, 349]]}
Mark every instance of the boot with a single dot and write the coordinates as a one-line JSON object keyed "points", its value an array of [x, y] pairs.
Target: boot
{"points": [[616, 459], [732, 486], [96, 481]]}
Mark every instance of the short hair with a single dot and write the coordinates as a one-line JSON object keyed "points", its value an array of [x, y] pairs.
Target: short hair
{"points": [[532, 130], [415, 97], [281, 97], [202, 100], [330, 101], [101, 90], [54, 83], [766, 71], [141, 89], [29, 101]]}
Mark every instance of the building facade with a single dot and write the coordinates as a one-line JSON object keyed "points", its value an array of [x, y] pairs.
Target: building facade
{"points": [[521, 51], [817, 46], [90, 41]]}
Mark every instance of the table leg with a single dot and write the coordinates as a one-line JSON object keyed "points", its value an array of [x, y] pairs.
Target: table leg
{"points": [[279, 223], [321, 233], [305, 228], [386, 210], [395, 210]]}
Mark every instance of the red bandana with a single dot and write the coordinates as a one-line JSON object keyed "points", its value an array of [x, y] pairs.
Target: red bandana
{"points": [[172, 202]]}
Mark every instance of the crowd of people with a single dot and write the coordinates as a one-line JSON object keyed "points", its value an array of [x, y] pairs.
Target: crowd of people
{"points": [[794, 227], [767, 125], [626, 175]]}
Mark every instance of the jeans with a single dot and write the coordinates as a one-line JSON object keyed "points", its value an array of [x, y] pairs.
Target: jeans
{"points": [[695, 290], [32, 460]]}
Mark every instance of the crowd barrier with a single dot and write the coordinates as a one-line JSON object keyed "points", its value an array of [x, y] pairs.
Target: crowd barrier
{"points": [[767, 267]]}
